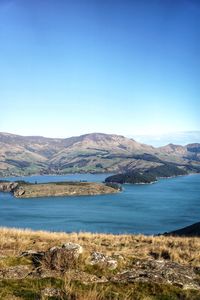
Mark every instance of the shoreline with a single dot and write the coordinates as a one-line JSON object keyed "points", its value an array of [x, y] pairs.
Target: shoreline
{"points": [[54, 174], [173, 233], [60, 175]]}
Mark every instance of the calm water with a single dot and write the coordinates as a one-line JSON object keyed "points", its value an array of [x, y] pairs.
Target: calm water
{"points": [[167, 205]]}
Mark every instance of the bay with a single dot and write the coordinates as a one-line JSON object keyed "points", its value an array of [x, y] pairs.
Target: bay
{"points": [[166, 205]]}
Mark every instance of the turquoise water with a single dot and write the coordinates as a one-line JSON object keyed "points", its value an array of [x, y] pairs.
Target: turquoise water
{"points": [[164, 206]]}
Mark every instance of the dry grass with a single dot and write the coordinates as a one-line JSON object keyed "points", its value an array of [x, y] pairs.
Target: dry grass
{"points": [[178, 249], [63, 189], [130, 247]]}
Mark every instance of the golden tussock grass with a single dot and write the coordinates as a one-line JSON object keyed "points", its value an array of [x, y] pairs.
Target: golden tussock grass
{"points": [[179, 249]]}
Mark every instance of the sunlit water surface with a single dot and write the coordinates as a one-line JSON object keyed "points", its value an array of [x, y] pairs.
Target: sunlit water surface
{"points": [[150, 209]]}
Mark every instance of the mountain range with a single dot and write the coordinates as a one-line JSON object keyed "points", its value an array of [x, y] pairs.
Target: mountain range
{"points": [[95, 153]]}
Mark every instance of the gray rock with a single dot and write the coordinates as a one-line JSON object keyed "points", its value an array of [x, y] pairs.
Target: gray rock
{"points": [[36, 256], [75, 248], [85, 278], [161, 272], [19, 192], [56, 258], [8, 186], [50, 292], [98, 258], [62, 258], [17, 272]]}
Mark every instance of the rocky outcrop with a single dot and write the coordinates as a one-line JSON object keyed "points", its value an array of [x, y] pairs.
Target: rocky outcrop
{"points": [[7, 186], [19, 192], [59, 258], [103, 260], [65, 259], [72, 247], [161, 272]]}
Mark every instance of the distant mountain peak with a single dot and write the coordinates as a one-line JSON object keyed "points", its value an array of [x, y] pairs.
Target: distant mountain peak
{"points": [[99, 135], [92, 152]]}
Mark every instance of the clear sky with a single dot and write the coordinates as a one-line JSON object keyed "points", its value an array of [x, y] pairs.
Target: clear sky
{"points": [[69, 67]]}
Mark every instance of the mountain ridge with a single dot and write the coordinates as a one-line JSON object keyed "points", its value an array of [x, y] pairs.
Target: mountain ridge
{"points": [[92, 152]]}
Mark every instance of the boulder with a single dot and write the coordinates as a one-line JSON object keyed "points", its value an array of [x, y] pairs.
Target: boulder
{"points": [[98, 258], [75, 248], [36, 256], [60, 258], [19, 192], [56, 258]]}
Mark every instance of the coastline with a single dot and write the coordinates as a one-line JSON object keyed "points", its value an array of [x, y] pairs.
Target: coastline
{"points": [[7, 178]]}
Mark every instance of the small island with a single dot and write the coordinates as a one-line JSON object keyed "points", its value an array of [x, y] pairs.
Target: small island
{"points": [[24, 189]]}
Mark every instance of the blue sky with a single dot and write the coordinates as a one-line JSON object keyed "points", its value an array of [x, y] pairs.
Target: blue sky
{"points": [[70, 67]]}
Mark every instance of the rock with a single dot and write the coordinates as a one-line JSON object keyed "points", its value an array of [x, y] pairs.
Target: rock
{"points": [[75, 248], [59, 259], [8, 186], [19, 192], [36, 256], [51, 292], [98, 258], [161, 272], [52, 249], [30, 253], [85, 278], [62, 258], [17, 272], [56, 258]]}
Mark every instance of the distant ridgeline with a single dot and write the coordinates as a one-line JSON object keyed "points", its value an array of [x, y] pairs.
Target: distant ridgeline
{"points": [[95, 153]]}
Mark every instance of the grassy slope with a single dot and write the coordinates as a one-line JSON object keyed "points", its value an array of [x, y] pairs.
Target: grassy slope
{"points": [[132, 247], [87, 153]]}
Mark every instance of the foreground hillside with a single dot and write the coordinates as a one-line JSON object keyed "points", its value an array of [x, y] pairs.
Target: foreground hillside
{"points": [[191, 230], [42, 265], [96, 152]]}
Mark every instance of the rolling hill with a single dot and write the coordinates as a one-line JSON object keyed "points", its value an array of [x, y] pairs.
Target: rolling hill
{"points": [[95, 152]]}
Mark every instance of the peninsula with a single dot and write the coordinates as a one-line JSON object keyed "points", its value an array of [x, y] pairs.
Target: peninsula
{"points": [[30, 190]]}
